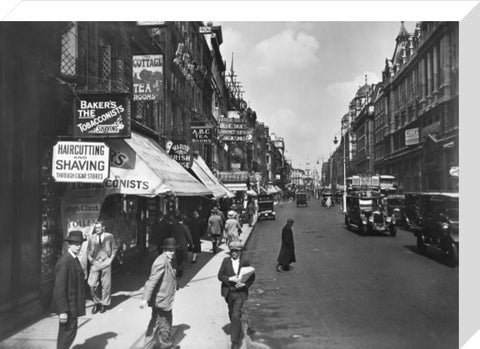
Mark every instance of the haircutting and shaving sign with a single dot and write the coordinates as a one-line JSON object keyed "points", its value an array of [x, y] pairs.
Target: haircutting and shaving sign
{"points": [[85, 162], [99, 116], [147, 77]]}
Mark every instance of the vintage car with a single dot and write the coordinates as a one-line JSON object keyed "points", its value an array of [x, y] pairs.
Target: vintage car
{"points": [[414, 203], [395, 206], [265, 206], [302, 198], [365, 214], [440, 225]]}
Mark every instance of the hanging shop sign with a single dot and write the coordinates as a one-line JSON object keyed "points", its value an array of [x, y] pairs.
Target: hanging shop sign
{"points": [[202, 134], [100, 116], [182, 154], [86, 162], [147, 77], [412, 136], [234, 130]]}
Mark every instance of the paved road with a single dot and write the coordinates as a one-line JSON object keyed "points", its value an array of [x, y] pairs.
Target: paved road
{"points": [[348, 291]]}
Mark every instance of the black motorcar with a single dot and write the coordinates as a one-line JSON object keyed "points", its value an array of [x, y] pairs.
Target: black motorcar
{"points": [[302, 198], [395, 206], [440, 225], [265, 206], [365, 213]]}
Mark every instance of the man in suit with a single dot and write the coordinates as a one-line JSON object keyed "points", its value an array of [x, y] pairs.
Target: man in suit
{"points": [[234, 291], [181, 233], [287, 250], [101, 251], [161, 230], [69, 291], [159, 293]]}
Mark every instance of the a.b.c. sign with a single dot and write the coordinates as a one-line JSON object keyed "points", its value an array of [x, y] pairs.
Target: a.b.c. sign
{"points": [[86, 162], [102, 115]]}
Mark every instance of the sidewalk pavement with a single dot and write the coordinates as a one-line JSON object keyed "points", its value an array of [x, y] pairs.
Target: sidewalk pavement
{"points": [[200, 315]]}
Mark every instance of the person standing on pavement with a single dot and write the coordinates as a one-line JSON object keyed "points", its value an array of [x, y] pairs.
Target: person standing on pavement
{"points": [[101, 251], [250, 212], [159, 293], [287, 250], [196, 227], [181, 233], [69, 291], [234, 290], [215, 229], [161, 230], [232, 228]]}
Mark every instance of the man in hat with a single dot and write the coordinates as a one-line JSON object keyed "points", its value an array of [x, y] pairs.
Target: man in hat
{"points": [[215, 228], [101, 251], [69, 291], [159, 293], [234, 289], [181, 233], [287, 250]]}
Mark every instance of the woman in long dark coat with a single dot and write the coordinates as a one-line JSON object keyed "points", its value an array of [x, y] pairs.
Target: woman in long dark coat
{"points": [[287, 251], [196, 230]]}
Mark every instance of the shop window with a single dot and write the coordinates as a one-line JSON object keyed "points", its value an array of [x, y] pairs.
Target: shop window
{"points": [[69, 52]]}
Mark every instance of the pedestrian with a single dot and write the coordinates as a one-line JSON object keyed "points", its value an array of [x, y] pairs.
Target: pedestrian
{"points": [[181, 233], [250, 212], [69, 291], [287, 251], [196, 230], [159, 293], [232, 228], [234, 289], [101, 251], [161, 230], [215, 229]]}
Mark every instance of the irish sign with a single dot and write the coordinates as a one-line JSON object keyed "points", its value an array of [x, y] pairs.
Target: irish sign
{"points": [[182, 154], [85, 162], [147, 77], [99, 116]]}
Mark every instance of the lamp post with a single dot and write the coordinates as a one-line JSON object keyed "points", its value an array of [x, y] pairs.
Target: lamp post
{"points": [[344, 208]]}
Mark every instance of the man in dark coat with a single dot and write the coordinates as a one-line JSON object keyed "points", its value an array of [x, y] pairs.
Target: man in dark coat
{"points": [[181, 233], [196, 230], [234, 289], [69, 291], [161, 230], [287, 251]]}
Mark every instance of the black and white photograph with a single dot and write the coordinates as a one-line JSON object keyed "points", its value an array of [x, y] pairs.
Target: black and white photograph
{"points": [[238, 174]]}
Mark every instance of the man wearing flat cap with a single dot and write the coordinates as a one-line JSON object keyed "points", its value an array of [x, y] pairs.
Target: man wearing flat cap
{"points": [[287, 250], [159, 293], [69, 290], [236, 276]]}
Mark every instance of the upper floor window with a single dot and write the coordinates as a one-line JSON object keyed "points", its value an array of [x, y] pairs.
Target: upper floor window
{"points": [[69, 54]]}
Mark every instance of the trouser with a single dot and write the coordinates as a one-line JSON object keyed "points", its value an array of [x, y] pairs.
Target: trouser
{"points": [[235, 304], [105, 276], [67, 333], [182, 257], [215, 242], [159, 329]]}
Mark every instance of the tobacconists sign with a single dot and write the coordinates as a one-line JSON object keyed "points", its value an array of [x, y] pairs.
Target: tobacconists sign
{"points": [[86, 162], [202, 134], [147, 77], [102, 115]]}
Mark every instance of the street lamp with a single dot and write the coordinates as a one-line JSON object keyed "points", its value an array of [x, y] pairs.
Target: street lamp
{"points": [[344, 208]]}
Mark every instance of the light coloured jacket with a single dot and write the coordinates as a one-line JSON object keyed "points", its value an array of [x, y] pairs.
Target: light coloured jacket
{"points": [[161, 285]]}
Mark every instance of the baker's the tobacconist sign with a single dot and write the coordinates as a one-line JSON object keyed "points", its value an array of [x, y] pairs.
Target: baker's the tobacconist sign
{"points": [[102, 115]]}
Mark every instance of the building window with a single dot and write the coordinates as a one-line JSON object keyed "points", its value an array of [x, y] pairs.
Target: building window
{"points": [[69, 54]]}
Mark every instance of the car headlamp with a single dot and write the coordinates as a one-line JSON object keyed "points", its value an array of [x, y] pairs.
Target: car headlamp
{"points": [[444, 226]]}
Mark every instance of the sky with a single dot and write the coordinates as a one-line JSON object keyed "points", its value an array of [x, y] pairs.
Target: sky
{"points": [[300, 77]]}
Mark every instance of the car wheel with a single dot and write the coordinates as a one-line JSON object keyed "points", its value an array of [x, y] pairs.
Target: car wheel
{"points": [[422, 248], [452, 254], [363, 230], [393, 231]]}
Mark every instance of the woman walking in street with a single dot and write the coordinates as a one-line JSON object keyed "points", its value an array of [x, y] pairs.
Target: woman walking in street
{"points": [[196, 231]]}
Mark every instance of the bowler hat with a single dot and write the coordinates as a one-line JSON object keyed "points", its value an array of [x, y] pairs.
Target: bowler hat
{"points": [[235, 245], [170, 243], [75, 236]]}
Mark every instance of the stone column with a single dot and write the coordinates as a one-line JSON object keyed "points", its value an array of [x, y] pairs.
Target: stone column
{"points": [[429, 78], [435, 73]]}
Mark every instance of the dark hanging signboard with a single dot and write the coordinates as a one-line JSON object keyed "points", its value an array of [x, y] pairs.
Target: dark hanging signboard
{"points": [[102, 116], [182, 154]]}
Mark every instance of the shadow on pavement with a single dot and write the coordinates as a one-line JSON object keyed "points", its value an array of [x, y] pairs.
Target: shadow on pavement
{"points": [[96, 342], [179, 333], [227, 329]]}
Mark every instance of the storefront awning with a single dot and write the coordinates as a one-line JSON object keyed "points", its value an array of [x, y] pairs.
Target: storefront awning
{"points": [[205, 175], [234, 187], [141, 167]]}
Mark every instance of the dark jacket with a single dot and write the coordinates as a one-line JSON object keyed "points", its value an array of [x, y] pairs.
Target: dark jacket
{"points": [[181, 233], [196, 230], [226, 270], [160, 231], [69, 287], [287, 251]]}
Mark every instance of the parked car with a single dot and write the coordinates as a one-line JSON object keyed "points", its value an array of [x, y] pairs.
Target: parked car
{"points": [[265, 206], [365, 213], [414, 203], [440, 225], [302, 198], [395, 206]]}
